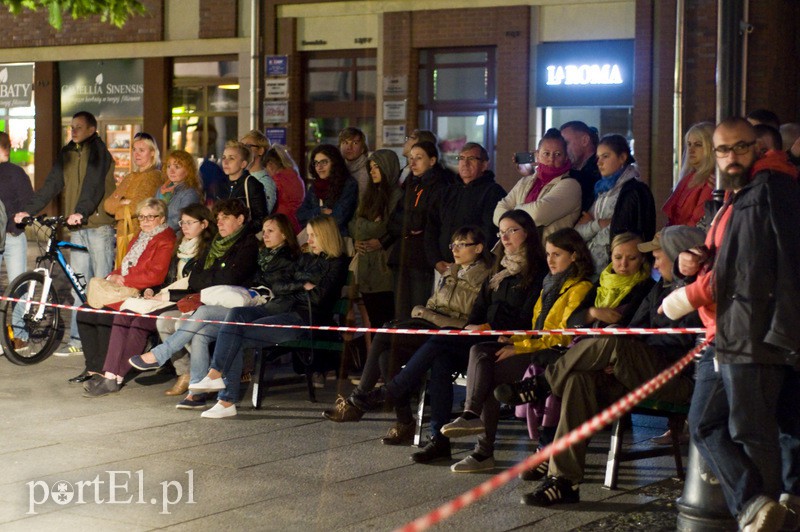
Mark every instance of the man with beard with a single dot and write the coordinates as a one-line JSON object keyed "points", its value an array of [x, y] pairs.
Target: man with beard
{"points": [[746, 293]]}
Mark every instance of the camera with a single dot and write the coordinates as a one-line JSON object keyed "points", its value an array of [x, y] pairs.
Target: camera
{"points": [[523, 157]]}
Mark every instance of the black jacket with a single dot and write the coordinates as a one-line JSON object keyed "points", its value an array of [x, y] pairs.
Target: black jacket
{"points": [[635, 211], [281, 267], [510, 306], [405, 232], [587, 177], [756, 274], [458, 205], [258, 199], [329, 276], [236, 267], [671, 346], [629, 305]]}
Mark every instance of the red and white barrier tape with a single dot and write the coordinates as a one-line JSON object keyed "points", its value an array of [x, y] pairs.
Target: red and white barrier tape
{"points": [[581, 433], [611, 331]]}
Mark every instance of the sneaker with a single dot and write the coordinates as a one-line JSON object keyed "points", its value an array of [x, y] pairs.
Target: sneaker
{"points": [[438, 448], [20, 346], [197, 402], [537, 473], [207, 385], [343, 411], [461, 427], [769, 517], [474, 463], [218, 411], [70, 350], [318, 380], [517, 393], [554, 490], [400, 434]]}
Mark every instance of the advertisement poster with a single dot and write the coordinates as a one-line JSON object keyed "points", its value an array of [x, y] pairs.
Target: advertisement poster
{"points": [[107, 89]]}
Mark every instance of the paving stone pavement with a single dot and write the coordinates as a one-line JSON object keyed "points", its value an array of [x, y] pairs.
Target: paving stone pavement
{"points": [[279, 468]]}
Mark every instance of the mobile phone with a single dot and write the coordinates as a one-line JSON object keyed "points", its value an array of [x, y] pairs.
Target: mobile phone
{"points": [[523, 157]]}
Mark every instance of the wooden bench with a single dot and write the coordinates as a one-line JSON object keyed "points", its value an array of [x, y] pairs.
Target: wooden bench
{"points": [[676, 417]]}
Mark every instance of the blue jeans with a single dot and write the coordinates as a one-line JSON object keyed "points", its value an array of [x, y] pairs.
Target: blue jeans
{"points": [[733, 422], [98, 262], [789, 424], [443, 356], [199, 335], [233, 339], [16, 256]]}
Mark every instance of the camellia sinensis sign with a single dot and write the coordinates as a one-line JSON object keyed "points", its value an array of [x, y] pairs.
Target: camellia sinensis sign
{"points": [[589, 73], [107, 89], [16, 85]]}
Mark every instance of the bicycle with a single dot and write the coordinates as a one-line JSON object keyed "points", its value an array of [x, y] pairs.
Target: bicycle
{"points": [[30, 326]]}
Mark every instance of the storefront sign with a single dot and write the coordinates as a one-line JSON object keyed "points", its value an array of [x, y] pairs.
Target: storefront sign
{"points": [[394, 110], [107, 89], [276, 135], [588, 73], [277, 65], [276, 112], [394, 135], [16, 85], [276, 88]]}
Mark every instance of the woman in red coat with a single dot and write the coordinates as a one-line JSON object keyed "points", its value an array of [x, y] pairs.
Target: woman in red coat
{"points": [[145, 264], [686, 204]]}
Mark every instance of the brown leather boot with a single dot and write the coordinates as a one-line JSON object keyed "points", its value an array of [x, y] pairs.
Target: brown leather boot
{"points": [[180, 387]]}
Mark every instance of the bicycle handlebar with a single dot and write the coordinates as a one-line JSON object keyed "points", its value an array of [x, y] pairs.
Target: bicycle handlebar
{"points": [[49, 221]]}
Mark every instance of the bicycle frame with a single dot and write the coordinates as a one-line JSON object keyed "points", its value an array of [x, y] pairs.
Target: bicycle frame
{"points": [[55, 256]]}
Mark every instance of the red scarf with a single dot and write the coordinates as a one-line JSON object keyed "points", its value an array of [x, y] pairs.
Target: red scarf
{"points": [[545, 174], [777, 161], [321, 188]]}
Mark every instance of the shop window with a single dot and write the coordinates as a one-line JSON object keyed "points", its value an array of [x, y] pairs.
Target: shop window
{"points": [[20, 124], [205, 101], [339, 91]]}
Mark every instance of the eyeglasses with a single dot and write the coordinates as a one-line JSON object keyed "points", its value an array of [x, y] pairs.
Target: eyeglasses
{"points": [[508, 232], [468, 158], [188, 222], [458, 246], [740, 148], [321, 162], [148, 217]]}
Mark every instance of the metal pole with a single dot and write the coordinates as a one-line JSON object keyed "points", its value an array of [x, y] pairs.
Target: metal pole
{"points": [[255, 62]]}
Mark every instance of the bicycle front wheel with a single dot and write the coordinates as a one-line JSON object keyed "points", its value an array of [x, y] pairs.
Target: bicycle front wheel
{"points": [[30, 329]]}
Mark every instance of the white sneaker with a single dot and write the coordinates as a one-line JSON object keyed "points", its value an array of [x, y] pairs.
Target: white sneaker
{"points": [[70, 350], [769, 518], [218, 411], [208, 385]]}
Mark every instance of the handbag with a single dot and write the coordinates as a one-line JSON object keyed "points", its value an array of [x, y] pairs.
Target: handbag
{"points": [[189, 303], [125, 233], [229, 296], [102, 292]]}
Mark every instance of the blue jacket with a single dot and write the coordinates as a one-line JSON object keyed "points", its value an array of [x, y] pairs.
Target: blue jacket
{"points": [[343, 207]]}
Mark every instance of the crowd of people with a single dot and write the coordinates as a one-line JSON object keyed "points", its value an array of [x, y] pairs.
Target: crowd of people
{"points": [[572, 244]]}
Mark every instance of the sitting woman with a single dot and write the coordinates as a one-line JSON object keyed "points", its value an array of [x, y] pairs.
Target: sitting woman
{"points": [[333, 190], [506, 360], [686, 204], [622, 201], [550, 196], [276, 263], [449, 307], [129, 332], [505, 299], [145, 264], [308, 298], [182, 186]]}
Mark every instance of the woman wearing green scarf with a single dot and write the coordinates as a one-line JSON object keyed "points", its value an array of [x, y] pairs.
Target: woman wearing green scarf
{"points": [[623, 284]]}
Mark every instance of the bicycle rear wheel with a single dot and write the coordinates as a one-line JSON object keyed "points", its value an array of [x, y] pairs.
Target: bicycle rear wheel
{"points": [[27, 339]]}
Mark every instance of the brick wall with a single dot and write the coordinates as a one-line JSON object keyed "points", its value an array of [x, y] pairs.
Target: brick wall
{"points": [[32, 29], [700, 62], [218, 19]]}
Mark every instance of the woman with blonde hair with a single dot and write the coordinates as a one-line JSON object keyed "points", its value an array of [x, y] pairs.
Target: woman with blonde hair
{"points": [[686, 204], [182, 186], [136, 186], [305, 299], [258, 144]]}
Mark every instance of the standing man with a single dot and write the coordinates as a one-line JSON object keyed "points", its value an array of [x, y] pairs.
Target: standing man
{"points": [[470, 200], [746, 292], [15, 189], [84, 172], [582, 152], [353, 146]]}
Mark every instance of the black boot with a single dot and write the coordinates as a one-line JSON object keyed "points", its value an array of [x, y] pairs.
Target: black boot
{"points": [[438, 448]]}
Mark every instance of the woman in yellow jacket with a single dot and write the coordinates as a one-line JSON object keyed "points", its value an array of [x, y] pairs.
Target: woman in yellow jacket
{"points": [[505, 361]]}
